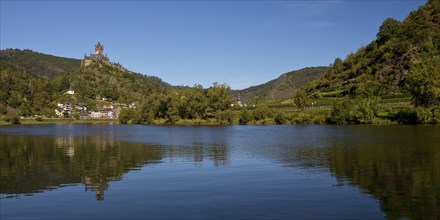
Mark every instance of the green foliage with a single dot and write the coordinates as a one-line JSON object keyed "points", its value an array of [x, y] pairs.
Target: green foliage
{"points": [[424, 83], [126, 116], [227, 117], [245, 117], [401, 50], [367, 110], [38, 64], [262, 113], [301, 99], [13, 119], [359, 111], [195, 103], [280, 118], [388, 30], [282, 88], [343, 113], [218, 97], [3, 109]]}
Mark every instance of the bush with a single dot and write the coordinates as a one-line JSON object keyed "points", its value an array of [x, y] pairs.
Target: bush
{"points": [[342, 113], [245, 117], [262, 113], [126, 116], [405, 116], [13, 119], [367, 110], [423, 115], [280, 119], [227, 117]]}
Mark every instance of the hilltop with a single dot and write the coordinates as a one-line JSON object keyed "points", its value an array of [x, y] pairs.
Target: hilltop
{"points": [[281, 88], [38, 64], [382, 68], [34, 83]]}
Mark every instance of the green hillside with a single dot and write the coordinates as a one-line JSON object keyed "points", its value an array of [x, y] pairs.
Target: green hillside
{"points": [[281, 88], [104, 81], [39, 64], [26, 93], [383, 67]]}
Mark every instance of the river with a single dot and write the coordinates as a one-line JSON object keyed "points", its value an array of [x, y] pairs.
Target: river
{"points": [[111, 171]]}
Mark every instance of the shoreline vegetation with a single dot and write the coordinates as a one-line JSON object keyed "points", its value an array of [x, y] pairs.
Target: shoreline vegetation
{"points": [[373, 111], [395, 79]]}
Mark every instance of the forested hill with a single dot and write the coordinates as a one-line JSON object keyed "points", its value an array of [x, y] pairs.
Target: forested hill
{"points": [[39, 64], [401, 51], [28, 90], [281, 88]]}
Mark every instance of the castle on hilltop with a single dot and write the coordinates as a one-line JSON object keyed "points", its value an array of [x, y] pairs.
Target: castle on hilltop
{"points": [[99, 57]]}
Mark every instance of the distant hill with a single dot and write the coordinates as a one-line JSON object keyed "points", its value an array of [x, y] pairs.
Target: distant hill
{"points": [[33, 83], [382, 67], [281, 88], [109, 82], [38, 64]]}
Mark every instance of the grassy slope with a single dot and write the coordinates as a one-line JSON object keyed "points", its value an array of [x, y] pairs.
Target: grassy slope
{"points": [[281, 88]]}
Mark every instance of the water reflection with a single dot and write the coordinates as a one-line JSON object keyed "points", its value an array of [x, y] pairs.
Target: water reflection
{"points": [[31, 164], [200, 152], [400, 167], [397, 165]]}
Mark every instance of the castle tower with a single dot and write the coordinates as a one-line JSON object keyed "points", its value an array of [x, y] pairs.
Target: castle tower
{"points": [[98, 57], [99, 48]]}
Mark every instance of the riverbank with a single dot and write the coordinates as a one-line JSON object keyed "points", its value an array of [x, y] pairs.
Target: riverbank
{"points": [[61, 121]]}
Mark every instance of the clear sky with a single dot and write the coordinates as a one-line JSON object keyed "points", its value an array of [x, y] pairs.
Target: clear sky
{"points": [[241, 43]]}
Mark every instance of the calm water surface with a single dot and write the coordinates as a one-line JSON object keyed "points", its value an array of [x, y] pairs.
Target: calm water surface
{"points": [[74, 171]]}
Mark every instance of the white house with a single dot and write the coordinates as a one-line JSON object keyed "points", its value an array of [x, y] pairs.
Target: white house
{"points": [[70, 91]]}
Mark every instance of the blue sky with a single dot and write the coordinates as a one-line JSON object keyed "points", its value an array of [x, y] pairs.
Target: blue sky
{"points": [[241, 43]]}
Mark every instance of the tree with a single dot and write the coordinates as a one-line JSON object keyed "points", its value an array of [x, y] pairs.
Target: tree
{"points": [[300, 99], [126, 116], [424, 83], [218, 97], [367, 110], [342, 113], [388, 29], [245, 117]]}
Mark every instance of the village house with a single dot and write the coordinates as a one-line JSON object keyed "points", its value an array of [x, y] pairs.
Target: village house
{"points": [[63, 109], [70, 91], [81, 107], [103, 113]]}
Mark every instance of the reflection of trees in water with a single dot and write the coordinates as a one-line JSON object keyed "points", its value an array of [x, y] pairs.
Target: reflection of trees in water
{"points": [[30, 164], [199, 152], [405, 178]]}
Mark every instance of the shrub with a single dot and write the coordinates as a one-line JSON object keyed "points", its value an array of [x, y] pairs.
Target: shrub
{"points": [[227, 117], [245, 117], [280, 119], [13, 119], [367, 110], [342, 113]]}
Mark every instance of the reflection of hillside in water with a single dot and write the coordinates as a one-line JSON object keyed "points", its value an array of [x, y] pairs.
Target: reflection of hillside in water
{"points": [[31, 164], [402, 170]]}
